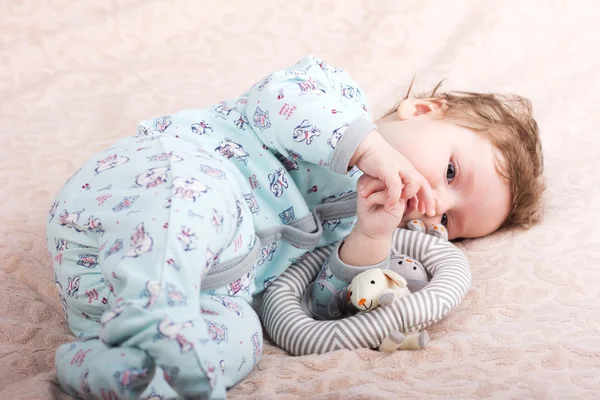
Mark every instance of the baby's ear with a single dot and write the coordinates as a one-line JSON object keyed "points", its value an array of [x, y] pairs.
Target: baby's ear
{"points": [[414, 107]]}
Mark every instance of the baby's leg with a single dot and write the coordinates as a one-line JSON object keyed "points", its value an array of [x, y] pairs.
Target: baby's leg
{"points": [[234, 326], [182, 226]]}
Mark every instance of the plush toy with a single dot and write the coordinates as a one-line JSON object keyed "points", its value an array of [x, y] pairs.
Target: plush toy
{"points": [[381, 287], [377, 287]]}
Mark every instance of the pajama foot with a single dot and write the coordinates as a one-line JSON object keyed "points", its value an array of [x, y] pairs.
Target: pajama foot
{"points": [[89, 369]]}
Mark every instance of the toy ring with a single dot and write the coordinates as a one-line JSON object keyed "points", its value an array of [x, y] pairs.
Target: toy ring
{"points": [[293, 330]]}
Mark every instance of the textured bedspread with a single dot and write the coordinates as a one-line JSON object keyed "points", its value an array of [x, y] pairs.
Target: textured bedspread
{"points": [[77, 75]]}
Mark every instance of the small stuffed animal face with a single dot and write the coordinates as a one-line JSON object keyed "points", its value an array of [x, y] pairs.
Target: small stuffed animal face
{"points": [[408, 268], [366, 288]]}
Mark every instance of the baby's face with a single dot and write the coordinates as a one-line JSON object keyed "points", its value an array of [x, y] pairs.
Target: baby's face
{"points": [[472, 199]]}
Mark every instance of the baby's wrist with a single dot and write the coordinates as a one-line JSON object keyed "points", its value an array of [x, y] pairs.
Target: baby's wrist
{"points": [[384, 234], [361, 249], [364, 146]]}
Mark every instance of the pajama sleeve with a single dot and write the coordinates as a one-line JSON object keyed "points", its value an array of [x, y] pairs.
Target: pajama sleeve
{"points": [[326, 298], [312, 112]]}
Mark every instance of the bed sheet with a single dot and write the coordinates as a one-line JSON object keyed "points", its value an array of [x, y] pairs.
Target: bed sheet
{"points": [[78, 75]]}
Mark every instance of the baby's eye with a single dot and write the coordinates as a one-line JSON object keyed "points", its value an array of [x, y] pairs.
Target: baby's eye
{"points": [[450, 172], [444, 220]]}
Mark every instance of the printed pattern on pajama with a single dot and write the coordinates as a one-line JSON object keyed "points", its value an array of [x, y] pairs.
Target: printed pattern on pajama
{"points": [[135, 233], [141, 272]]}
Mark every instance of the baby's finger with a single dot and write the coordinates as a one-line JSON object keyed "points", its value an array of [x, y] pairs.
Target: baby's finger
{"points": [[377, 198], [426, 199], [361, 183], [380, 198], [412, 182], [417, 185], [395, 186], [371, 186]]}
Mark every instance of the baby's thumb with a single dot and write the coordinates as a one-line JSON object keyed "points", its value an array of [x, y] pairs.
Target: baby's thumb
{"points": [[412, 183]]}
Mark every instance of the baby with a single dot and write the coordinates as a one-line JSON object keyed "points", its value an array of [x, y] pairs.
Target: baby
{"points": [[160, 242], [481, 156]]}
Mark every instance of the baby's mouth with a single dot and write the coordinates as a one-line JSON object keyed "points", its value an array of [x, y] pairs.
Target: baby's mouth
{"points": [[411, 206], [411, 211]]}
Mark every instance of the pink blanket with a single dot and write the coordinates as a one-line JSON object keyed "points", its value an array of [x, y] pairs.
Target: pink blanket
{"points": [[77, 75]]}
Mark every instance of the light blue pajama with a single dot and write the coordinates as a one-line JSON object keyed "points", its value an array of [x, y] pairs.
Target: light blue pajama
{"points": [[160, 242]]}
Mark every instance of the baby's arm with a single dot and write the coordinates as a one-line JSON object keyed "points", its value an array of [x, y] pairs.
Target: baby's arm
{"points": [[312, 112], [370, 241], [360, 250], [368, 246]]}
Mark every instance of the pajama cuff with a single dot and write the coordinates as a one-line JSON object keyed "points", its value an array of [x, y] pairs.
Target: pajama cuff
{"points": [[345, 148], [345, 272]]}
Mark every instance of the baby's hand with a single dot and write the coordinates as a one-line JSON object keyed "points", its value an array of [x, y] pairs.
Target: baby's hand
{"points": [[378, 159], [374, 220]]}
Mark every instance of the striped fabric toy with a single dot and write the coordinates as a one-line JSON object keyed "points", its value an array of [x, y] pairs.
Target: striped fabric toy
{"points": [[289, 326]]}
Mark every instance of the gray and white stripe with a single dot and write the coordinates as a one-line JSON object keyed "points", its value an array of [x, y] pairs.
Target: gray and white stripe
{"points": [[297, 333]]}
